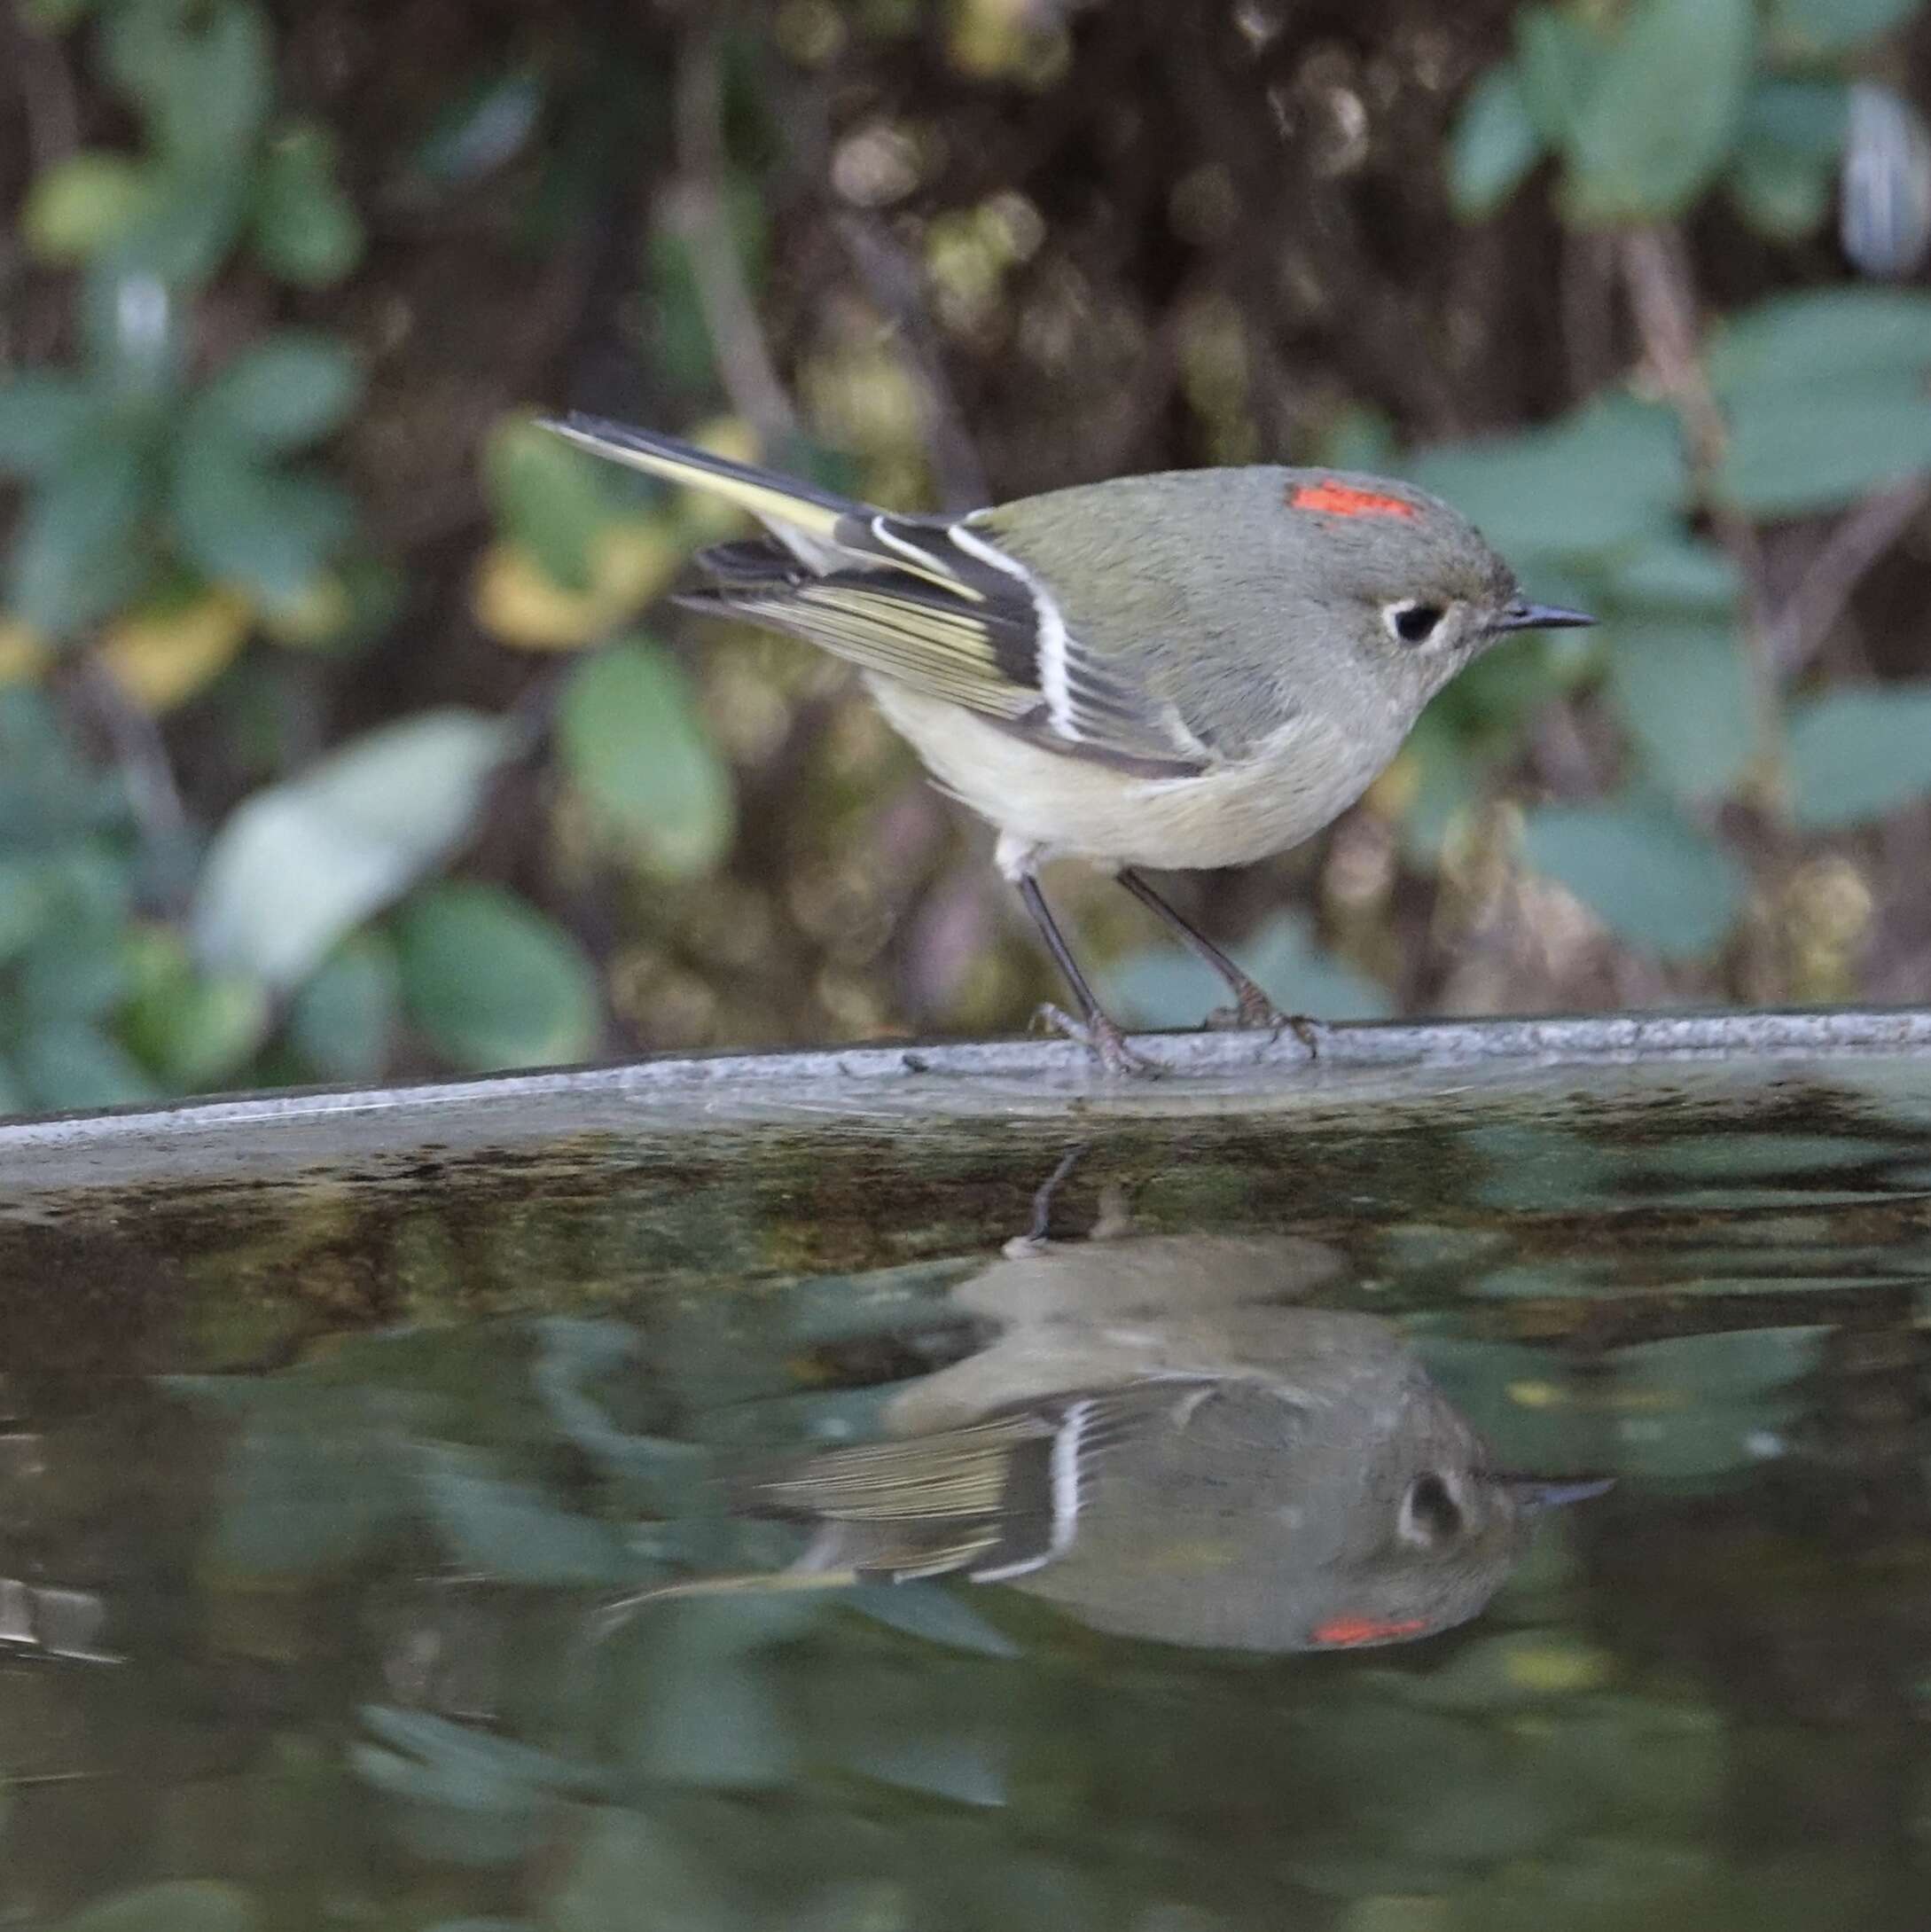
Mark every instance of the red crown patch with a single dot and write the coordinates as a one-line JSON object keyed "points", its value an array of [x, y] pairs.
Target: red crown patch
{"points": [[1344, 500]]}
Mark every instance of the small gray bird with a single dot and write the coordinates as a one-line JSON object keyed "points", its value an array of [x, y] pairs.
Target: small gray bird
{"points": [[1195, 669], [1155, 1442]]}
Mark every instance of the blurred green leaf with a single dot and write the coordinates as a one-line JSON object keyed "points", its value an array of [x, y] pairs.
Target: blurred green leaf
{"points": [[185, 1905], [1836, 26], [268, 530], [299, 864], [700, 1720], [43, 420], [1611, 474], [287, 391], [444, 1818], [342, 1021], [631, 1871], [1781, 194], [309, 1484], [548, 496], [1166, 986], [1449, 773], [682, 349], [461, 1795], [966, 1765], [25, 902], [1794, 451], [75, 966], [1735, 1362], [932, 1611], [1703, 1406], [76, 553], [306, 230], [84, 203], [55, 16], [192, 216], [484, 1755], [1495, 145], [511, 1531], [75, 972], [486, 125], [1643, 152], [1858, 753], [1783, 175], [1500, 690], [1515, 1669], [201, 76], [634, 745], [1654, 878], [1681, 689], [492, 982], [1824, 338], [1673, 572], [1804, 118], [193, 1029], [1556, 58], [69, 1063]]}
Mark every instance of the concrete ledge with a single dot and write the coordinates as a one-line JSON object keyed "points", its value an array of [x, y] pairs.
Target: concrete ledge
{"points": [[1361, 1066]]}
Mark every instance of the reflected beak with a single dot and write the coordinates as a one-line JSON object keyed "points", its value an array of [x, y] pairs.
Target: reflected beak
{"points": [[1533, 1494], [1522, 615]]}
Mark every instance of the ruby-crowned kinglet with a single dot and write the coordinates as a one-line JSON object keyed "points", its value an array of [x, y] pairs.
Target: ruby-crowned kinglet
{"points": [[1195, 669], [1159, 1445]]}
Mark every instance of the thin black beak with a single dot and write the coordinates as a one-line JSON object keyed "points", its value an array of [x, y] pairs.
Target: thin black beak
{"points": [[1533, 1493], [1523, 616]]}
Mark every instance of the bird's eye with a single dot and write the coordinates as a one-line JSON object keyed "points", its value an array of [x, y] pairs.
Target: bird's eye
{"points": [[1430, 1513], [1413, 621]]}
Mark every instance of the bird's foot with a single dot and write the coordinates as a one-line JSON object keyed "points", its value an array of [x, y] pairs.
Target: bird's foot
{"points": [[1103, 1039], [1255, 1012]]}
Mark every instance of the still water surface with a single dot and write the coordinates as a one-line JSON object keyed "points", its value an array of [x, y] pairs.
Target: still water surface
{"points": [[318, 1480]]}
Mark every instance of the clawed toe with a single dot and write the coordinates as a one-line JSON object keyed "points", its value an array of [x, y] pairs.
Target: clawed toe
{"points": [[1255, 1012], [1103, 1039]]}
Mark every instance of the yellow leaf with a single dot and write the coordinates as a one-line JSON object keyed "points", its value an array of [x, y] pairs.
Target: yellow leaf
{"points": [[701, 517], [83, 204], [318, 614], [990, 39], [518, 605], [1391, 795], [162, 655], [23, 652], [728, 436], [1559, 1667]]}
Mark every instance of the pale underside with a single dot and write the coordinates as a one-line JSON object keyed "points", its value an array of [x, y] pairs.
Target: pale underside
{"points": [[1048, 804]]}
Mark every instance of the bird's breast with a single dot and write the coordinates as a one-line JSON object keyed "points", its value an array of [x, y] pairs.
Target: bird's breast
{"points": [[1297, 780]]}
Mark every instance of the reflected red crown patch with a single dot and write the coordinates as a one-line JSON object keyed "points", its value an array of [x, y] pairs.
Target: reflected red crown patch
{"points": [[1366, 1629]]}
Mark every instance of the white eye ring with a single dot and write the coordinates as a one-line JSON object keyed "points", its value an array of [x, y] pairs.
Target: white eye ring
{"points": [[1433, 1511], [1413, 621]]}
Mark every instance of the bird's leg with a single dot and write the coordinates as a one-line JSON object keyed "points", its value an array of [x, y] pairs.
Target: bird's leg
{"points": [[1252, 1007], [1038, 1235], [1095, 1029]]}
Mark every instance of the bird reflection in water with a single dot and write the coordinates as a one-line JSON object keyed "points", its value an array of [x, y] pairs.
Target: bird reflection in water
{"points": [[1166, 1442]]}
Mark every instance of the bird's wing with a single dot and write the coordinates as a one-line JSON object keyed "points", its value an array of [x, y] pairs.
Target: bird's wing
{"points": [[931, 602], [994, 1499]]}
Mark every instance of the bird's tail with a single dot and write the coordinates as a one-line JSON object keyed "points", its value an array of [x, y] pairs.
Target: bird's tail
{"points": [[802, 516]]}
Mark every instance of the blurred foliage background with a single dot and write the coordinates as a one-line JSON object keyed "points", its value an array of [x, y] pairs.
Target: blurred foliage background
{"points": [[342, 735]]}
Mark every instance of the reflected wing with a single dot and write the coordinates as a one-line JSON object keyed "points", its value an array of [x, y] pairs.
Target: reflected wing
{"points": [[992, 1499]]}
